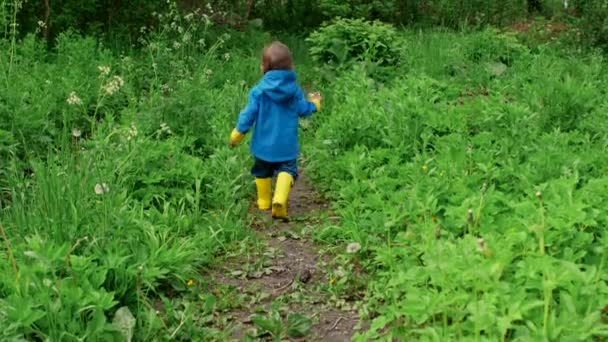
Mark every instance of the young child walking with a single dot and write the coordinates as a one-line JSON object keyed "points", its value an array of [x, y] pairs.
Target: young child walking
{"points": [[275, 105]]}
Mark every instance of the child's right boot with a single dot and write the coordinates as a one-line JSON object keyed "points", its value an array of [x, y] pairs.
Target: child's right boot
{"points": [[281, 194]]}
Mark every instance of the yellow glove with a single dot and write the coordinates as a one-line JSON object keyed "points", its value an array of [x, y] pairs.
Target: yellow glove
{"points": [[316, 99], [317, 103], [236, 137]]}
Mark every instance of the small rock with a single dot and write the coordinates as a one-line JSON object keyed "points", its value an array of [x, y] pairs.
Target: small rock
{"points": [[305, 276]]}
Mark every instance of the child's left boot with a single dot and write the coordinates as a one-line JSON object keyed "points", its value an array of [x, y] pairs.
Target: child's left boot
{"points": [[264, 189], [281, 195]]}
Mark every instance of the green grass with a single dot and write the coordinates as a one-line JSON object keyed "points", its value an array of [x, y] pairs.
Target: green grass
{"points": [[119, 197], [473, 177]]}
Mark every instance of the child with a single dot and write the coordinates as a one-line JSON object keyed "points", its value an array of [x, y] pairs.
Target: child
{"points": [[274, 107]]}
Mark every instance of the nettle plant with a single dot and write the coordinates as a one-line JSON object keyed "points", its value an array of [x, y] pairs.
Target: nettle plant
{"points": [[345, 42]]}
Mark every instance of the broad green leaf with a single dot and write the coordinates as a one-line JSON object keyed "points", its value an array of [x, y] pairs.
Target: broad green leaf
{"points": [[298, 325], [124, 322]]}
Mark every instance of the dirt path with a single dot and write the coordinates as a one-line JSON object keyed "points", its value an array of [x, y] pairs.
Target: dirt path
{"points": [[285, 274]]}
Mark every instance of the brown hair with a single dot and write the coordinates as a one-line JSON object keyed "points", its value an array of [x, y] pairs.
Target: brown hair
{"points": [[276, 56]]}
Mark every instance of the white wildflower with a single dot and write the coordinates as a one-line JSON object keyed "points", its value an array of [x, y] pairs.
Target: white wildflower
{"points": [[76, 133], [132, 132], [176, 45], [206, 19], [41, 24], [165, 88], [165, 128], [101, 189], [353, 248], [104, 70], [113, 85], [73, 99], [226, 56]]}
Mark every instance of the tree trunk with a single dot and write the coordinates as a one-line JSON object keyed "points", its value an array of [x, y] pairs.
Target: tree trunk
{"points": [[535, 6], [47, 24]]}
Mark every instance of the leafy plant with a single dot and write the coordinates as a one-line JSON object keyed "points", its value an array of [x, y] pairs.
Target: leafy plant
{"points": [[295, 326], [344, 41]]}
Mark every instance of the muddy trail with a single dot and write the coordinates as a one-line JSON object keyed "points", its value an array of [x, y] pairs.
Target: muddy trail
{"points": [[284, 276]]}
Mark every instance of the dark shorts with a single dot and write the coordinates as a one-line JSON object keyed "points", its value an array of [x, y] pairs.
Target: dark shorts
{"points": [[264, 169]]}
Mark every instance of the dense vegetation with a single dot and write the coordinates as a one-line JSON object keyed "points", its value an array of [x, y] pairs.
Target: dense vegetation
{"points": [[469, 166]]}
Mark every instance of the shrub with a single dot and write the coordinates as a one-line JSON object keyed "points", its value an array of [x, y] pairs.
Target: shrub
{"points": [[492, 46], [351, 40], [594, 20], [383, 10]]}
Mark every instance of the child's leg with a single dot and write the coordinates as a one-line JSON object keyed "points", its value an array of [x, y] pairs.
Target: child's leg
{"points": [[287, 174], [262, 171]]}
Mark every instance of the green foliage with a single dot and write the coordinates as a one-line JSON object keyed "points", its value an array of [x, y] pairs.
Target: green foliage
{"points": [[358, 9], [117, 186], [594, 20], [475, 195], [344, 42], [473, 183], [490, 46], [295, 326]]}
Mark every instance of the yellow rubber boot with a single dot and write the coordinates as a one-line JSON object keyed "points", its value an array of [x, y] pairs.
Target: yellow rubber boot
{"points": [[264, 187], [281, 194]]}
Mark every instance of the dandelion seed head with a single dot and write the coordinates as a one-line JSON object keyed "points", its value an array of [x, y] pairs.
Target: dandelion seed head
{"points": [[539, 194], [481, 245], [101, 189], [353, 247], [76, 133], [470, 216]]}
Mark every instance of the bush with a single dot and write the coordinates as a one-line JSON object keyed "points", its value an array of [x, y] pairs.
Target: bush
{"points": [[492, 46], [345, 41], [383, 10], [594, 20]]}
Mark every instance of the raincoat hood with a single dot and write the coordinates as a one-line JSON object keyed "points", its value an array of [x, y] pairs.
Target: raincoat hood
{"points": [[279, 85]]}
